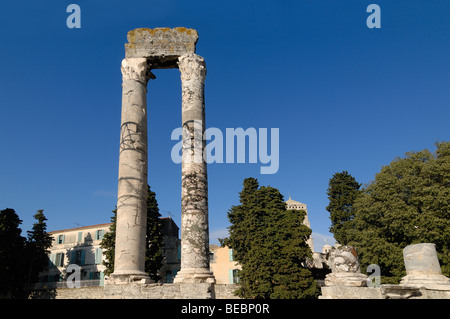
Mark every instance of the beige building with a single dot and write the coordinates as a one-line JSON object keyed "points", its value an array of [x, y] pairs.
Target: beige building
{"points": [[222, 264], [292, 204], [81, 246]]}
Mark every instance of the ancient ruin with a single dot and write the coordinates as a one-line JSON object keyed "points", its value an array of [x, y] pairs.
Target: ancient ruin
{"points": [[424, 279], [422, 268], [345, 269], [149, 49], [163, 48]]}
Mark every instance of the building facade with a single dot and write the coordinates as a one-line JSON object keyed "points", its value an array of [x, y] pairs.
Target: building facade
{"points": [[81, 246]]}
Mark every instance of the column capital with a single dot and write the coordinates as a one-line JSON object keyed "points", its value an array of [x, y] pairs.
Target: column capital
{"points": [[137, 69], [192, 67]]}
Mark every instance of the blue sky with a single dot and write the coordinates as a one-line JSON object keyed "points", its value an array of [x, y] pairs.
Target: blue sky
{"points": [[344, 97]]}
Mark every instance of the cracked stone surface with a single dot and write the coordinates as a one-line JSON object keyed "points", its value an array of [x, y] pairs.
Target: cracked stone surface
{"points": [[132, 186], [148, 49], [161, 46], [194, 181], [423, 268]]}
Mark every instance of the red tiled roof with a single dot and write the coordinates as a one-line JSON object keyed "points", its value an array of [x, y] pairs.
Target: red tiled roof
{"points": [[91, 226], [77, 228]]}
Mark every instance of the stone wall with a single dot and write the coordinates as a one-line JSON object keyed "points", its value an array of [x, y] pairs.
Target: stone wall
{"points": [[146, 291], [225, 291], [346, 292], [159, 291]]}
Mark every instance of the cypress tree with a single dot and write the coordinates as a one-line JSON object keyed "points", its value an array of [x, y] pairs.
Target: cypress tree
{"points": [[269, 242], [108, 245], [342, 192], [37, 247], [154, 239], [13, 266]]}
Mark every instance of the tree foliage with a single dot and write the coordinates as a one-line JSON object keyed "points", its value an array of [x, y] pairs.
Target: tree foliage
{"points": [[154, 240], [269, 242], [407, 203], [108, 245], [21, 259], [342, 192], [38, 246]]}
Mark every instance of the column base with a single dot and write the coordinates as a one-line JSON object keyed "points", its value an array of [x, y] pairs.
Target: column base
{"points": [[129, 277], [428, 281], [346, 279], [195, 275]]}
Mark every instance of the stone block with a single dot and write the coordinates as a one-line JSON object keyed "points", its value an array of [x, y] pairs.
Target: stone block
{"points": [[345, 292], [423, 269], [161, 46]]}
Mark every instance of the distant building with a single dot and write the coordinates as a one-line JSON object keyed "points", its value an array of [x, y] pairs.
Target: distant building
{"points": [[81, 246], [292, 204], [222, 264]]}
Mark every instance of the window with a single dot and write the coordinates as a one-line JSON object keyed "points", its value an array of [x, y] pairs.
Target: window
{"points": [[78, 257], [233, 276], [212, 258], [59, 260], [80, 236], [61, 239], [51, 260], [230, 253], [98, 256], [99, 234]]}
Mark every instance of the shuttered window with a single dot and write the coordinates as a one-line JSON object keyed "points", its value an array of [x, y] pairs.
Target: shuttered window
{"points": [[230, 276], [98, 256], [99, 234], [77, 257], [59, 261]]}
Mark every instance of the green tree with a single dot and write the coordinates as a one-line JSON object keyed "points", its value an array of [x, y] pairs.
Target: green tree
{"points": [[37, 247], [13, 268], [154, 239], [153, 253], [269, 242], [407, 203], [342, 192]]}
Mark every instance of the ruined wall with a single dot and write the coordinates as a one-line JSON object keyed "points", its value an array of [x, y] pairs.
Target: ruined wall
{"points": [[147, 291]]}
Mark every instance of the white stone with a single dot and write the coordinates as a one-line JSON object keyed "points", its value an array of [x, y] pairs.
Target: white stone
{"points": [[422, 268], [129, 263]]}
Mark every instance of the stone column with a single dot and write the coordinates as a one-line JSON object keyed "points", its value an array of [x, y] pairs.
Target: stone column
{"points": [[194, 183], [129, 263], [422, 268]]}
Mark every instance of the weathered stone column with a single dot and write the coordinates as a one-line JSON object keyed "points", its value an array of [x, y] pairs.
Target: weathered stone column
{"points": [[194, 183], [129, 263]]}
